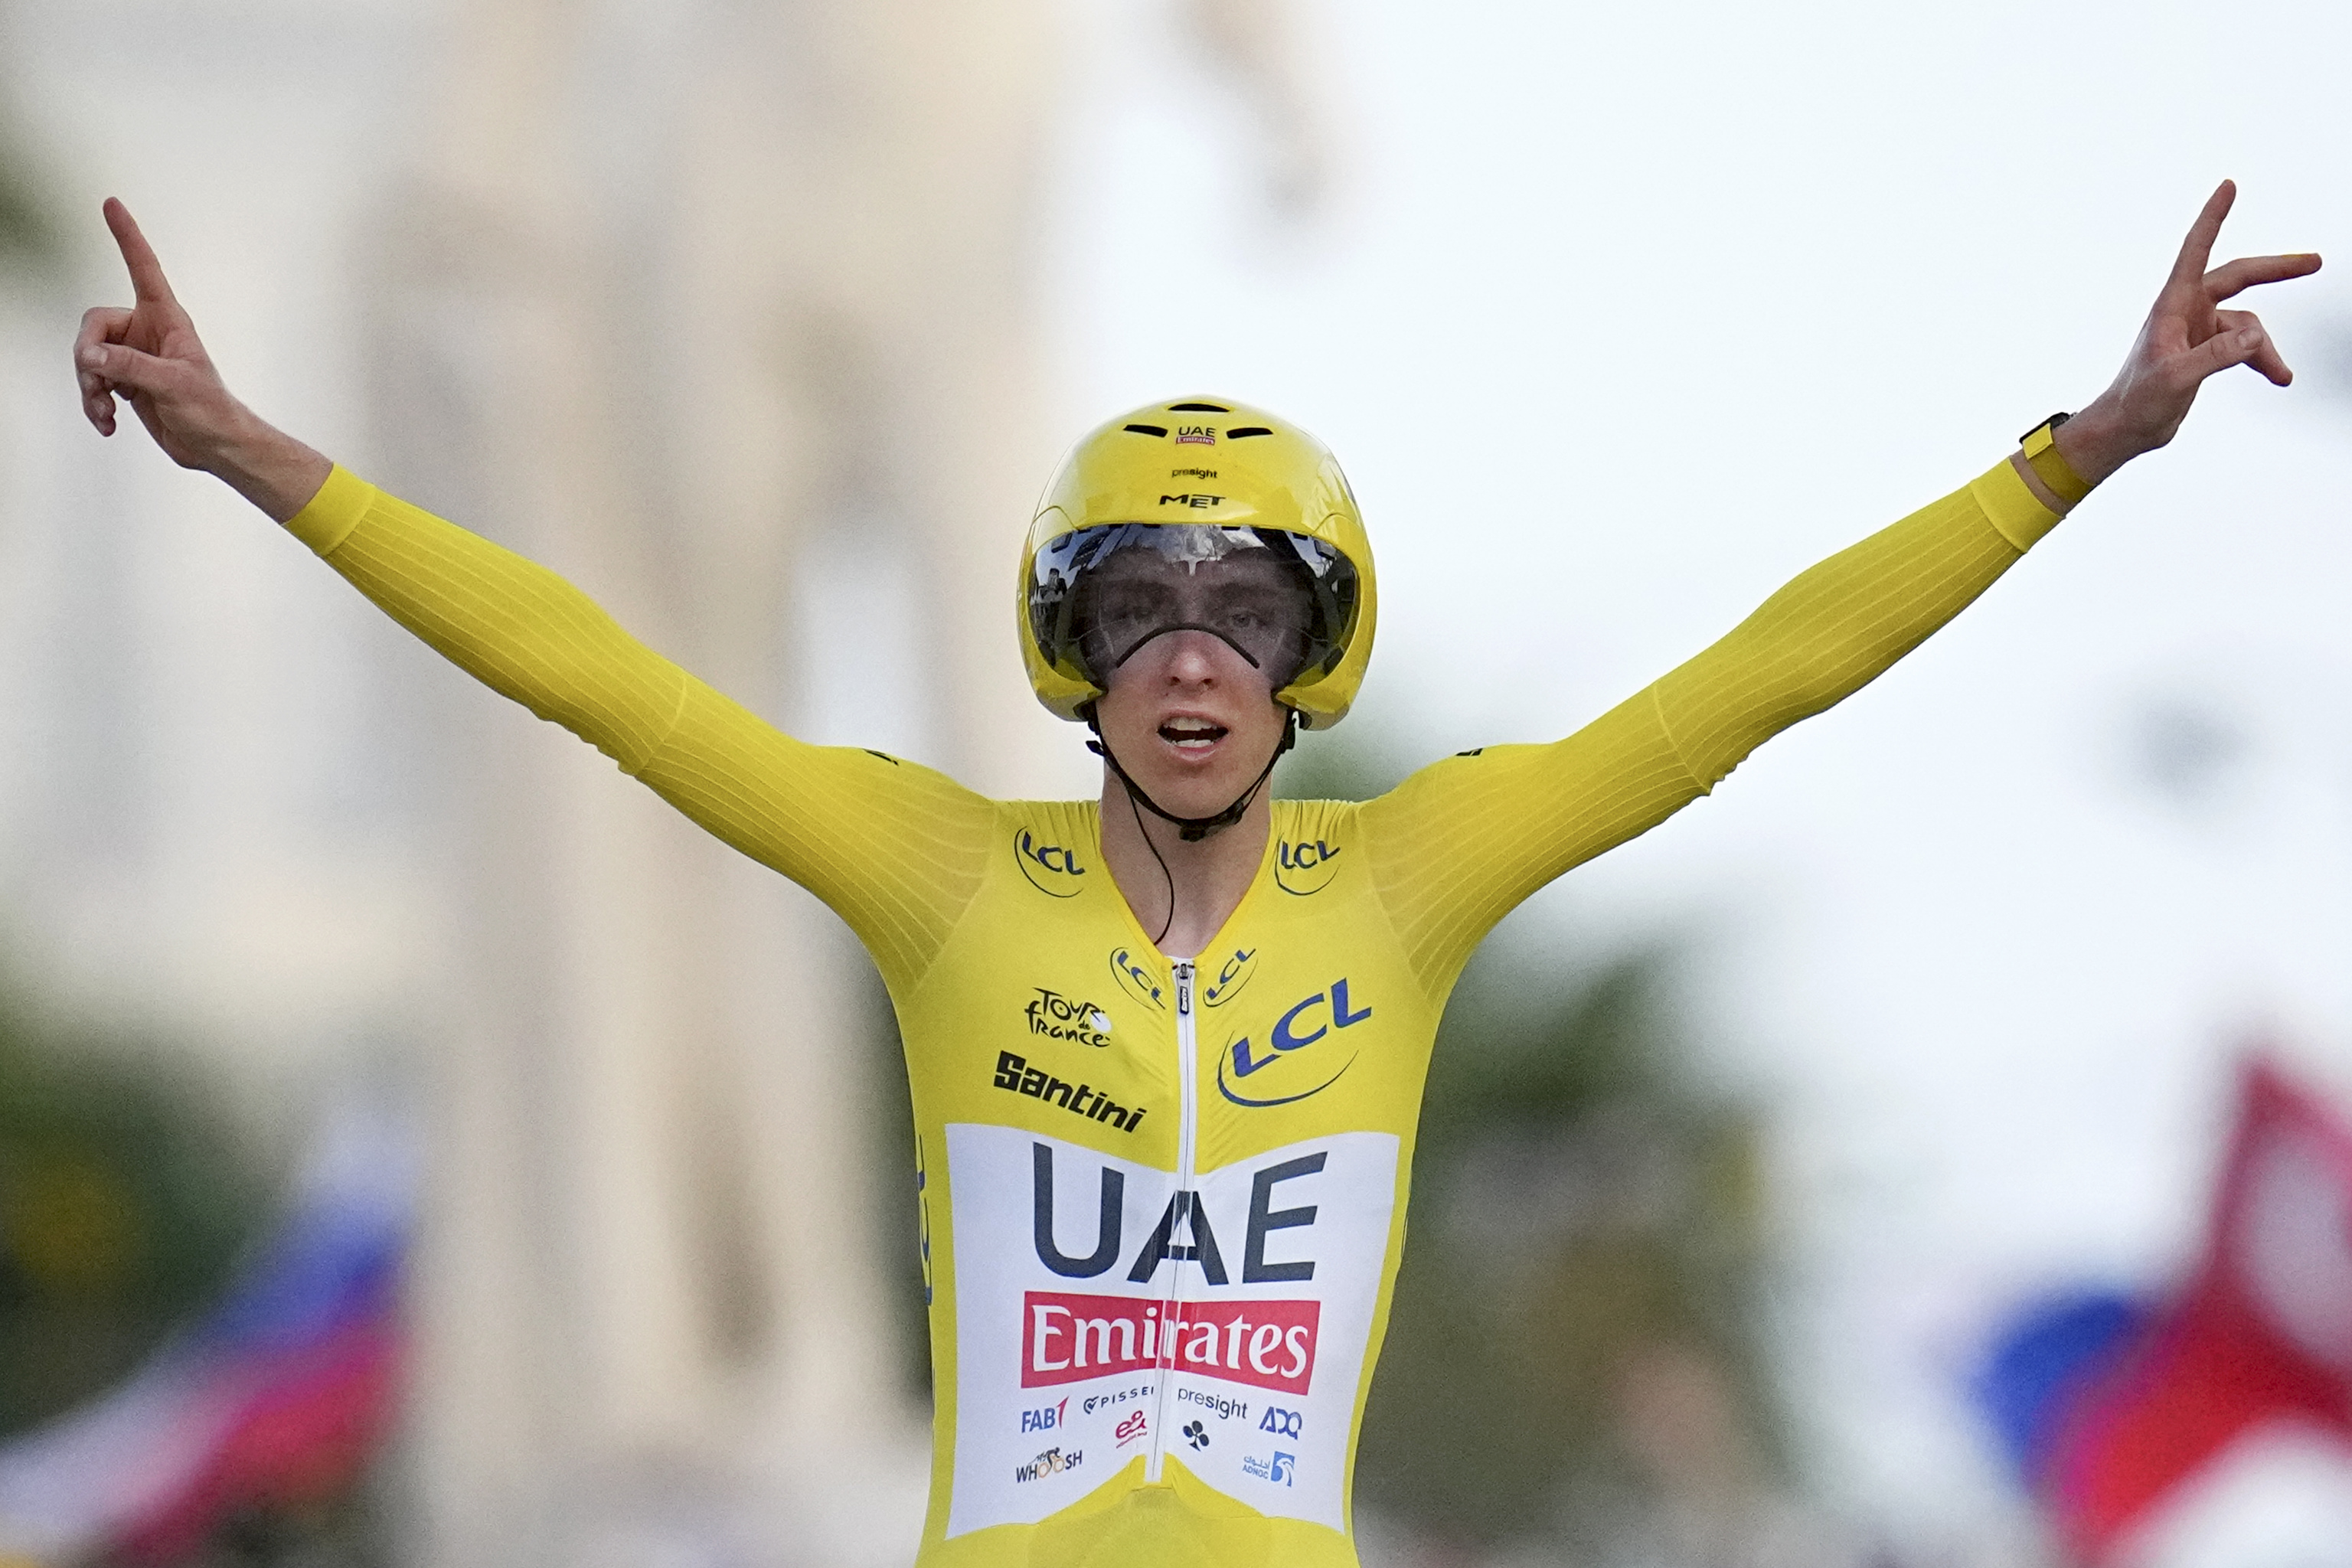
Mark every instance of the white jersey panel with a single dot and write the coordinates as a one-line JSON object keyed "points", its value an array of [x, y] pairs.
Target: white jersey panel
{"points": [[1072, 1266]]}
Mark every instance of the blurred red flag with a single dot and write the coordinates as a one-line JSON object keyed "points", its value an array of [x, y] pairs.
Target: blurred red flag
{"points": [[2262, 1332]]}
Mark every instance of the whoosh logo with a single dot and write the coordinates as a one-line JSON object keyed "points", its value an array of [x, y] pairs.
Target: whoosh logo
{"points": [[1070, 1338], [1302, 1025]]}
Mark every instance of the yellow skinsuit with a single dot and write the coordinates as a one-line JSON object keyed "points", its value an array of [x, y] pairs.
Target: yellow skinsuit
{"points": [[1163, 1199]]}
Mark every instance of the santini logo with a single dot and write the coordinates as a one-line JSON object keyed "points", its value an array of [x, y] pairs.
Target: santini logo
{"points": [[1015, 1076], [1304, 1024], [1050, 867]]}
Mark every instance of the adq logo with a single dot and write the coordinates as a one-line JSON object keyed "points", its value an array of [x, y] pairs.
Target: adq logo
{"points": [[1304, 867], [1282, 1423], [1318, 1017], [1052, 869]]}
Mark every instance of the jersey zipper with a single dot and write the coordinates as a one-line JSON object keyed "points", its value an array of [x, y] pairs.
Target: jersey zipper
{"points": [[1188, 1114]]}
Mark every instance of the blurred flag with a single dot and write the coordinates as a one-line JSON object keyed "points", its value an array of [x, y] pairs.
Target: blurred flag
{"points": [[276, 1396], [2107, 1403]]}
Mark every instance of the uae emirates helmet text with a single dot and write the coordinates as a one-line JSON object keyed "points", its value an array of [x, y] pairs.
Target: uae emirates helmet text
{"points": [[1196, 480]]}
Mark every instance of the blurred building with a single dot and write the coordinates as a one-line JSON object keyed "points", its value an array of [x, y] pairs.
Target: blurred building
{"points": [[731, 313]]}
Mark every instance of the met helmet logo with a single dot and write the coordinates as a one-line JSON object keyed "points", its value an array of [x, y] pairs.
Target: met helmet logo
{"points": [[1303, 1023], [1190, 498]]}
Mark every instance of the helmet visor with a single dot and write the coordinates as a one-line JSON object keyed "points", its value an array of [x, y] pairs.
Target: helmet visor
{"points": [[1101, 595]]}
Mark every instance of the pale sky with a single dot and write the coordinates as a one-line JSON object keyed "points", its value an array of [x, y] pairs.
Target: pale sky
{"points": [[1631, 312]]}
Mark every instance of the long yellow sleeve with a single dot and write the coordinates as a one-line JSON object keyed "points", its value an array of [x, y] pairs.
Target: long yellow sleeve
{"points": [[895, 849], [1457, 846]]}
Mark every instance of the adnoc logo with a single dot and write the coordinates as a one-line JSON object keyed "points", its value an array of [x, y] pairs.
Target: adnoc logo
{"points": [[1052, 869], [1303, 866], [1138, 979], [1225, 983], [1318, 1017]]}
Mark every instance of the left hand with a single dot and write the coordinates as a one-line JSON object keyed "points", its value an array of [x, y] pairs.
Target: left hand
{"points": [[2188, 338]]}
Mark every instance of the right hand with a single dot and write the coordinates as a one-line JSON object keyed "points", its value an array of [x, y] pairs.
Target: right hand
{"points": [[151, 355]]}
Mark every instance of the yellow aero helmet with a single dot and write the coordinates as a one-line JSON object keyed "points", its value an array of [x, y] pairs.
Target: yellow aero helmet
{"points": [[1217, 475]]}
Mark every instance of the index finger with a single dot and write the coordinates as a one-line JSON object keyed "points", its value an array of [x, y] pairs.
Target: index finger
{"points": [[2198, 250], [147, 282]]}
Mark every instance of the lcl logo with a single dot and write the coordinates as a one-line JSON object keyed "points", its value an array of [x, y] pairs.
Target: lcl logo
{"points": [[1318, 1018], [1302, 866], [1137, 979], [1052, 869], [1226, 983]]}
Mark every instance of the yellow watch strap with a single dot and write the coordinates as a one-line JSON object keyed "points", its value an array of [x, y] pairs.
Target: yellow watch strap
{"points": [[2050, 465]]}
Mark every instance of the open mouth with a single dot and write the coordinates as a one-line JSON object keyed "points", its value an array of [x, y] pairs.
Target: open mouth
{"points": [[1191, 735]]}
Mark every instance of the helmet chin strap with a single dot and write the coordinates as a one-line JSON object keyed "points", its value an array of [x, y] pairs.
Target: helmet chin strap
{"points": [[1192, 829]]}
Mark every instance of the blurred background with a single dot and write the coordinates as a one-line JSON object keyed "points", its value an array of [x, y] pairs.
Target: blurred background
{"points": [[417, 1148]]}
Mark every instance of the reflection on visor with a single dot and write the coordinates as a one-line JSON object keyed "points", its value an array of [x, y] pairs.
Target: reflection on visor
{"points": [[1281, 600]]}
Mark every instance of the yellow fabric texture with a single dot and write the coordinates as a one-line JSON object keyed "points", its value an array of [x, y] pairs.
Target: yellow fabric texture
{"points": [[1163, 1199]]}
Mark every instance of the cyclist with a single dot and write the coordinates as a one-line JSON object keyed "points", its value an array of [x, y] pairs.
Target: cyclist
{"points": [[1167, 1046]]}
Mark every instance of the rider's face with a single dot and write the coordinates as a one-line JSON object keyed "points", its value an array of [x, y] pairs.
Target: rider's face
{"points": [[1186, 711]]}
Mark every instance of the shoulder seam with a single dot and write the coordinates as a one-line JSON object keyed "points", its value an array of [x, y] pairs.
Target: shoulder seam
{"points": [[676, 715], [1658, 712]]}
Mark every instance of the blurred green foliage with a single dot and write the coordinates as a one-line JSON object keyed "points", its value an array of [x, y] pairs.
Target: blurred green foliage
{"points": [[1574, 1342], [123, 1201], [28, 230], [1583, 1213]]}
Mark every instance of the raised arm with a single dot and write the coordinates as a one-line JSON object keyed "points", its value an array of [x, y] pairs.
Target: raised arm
{"points": [[1459, 844], [895, 848]]}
